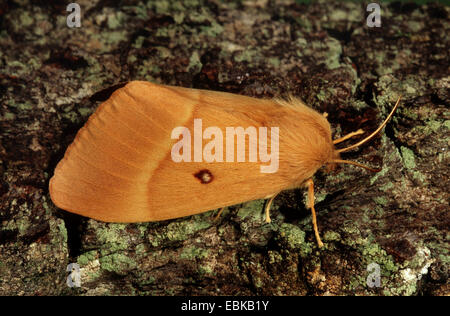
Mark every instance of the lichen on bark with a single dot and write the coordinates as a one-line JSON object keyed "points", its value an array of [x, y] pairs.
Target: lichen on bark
{"points": [[322, 52]]}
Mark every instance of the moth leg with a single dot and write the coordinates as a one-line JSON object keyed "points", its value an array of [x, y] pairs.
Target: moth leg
{"points": [[219, 213], [268, 205], [310, 185], [349, 135]]}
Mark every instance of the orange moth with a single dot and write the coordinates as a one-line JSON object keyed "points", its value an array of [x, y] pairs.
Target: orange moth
{"points": [[153, 152]]}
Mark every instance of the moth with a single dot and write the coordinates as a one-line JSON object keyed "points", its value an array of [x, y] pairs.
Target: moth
{"points": [[142, 157]]}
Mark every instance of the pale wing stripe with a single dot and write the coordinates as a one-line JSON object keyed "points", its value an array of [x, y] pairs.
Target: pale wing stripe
{"points": [[151, 119], [113, 137], [92, 142], [104, 170], [134, 131]]}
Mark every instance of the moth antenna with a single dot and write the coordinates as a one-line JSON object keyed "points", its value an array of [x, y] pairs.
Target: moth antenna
{"points": [[356, 164], [374, 133], [350, 135]]}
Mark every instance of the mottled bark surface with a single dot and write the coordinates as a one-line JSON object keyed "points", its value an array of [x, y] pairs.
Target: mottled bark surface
{"points": [[322, 52]]}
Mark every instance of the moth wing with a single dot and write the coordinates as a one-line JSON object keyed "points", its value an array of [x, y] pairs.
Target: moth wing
{"points": [[119, 167]]}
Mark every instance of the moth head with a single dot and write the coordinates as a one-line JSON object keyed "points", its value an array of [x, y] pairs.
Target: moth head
{"points": [[335, 157], [331, 164]]}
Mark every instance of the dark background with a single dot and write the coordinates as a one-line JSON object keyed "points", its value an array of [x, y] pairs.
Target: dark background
{"points": [[53, 77]]}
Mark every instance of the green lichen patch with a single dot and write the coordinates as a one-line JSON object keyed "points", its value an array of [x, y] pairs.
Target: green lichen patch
{"points": [[114, 236], [193, 252], [179, 230], [294, 238], [320, 51], [408, 157], [252, 210], [87, 257], [118, 263]]}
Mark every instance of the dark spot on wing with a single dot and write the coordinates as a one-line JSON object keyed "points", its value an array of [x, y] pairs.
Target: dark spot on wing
{"points": [[205, 176]]}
